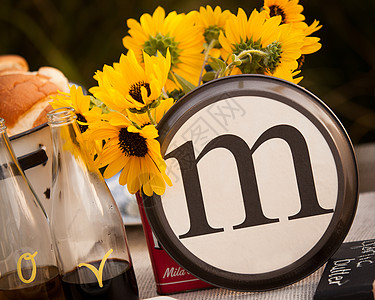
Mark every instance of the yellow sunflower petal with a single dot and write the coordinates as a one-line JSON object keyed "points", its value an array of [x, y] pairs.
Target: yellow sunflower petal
{"points": [[133, 181], [108, 155], [124, 174], [115, 167]]}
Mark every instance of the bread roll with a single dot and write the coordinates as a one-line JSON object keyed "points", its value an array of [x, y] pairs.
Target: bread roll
{"points": [[55, 76], [10, 64], [25, 95], [24, 100]]}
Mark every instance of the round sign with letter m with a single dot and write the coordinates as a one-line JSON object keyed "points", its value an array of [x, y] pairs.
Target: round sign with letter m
{"points": [[265, 183]]}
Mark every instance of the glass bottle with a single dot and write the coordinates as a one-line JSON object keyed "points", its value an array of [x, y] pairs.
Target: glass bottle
{"points": [[86, 224], [28, 267]]}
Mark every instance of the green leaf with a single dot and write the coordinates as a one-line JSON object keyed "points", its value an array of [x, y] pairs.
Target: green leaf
{"points": [[186, 85], [209, 76], [217, 64]]}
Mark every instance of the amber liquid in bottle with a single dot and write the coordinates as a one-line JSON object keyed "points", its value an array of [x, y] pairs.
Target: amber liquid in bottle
{"points": [[11, 289], [81, 283]]}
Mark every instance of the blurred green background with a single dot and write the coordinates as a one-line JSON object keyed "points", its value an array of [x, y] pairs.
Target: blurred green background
{"points": [[79, 37]]}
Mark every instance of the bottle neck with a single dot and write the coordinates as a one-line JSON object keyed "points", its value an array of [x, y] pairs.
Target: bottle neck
{"points": [[68, 144], [61, 116]]}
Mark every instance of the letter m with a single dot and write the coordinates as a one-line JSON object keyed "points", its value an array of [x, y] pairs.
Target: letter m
{"points": [[249, 188]]}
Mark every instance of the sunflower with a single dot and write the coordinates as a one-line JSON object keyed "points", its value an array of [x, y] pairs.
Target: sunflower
{"points": [[81, 104], [291, 13], [290, 42], [133, 151], [175, 32], [289, 10], [212, 22], [130, 85], [263, 45]]}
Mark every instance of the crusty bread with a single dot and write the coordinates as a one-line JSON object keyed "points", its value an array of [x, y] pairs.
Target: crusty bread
{"points": [[13, 64], [23, 99], [25, 95], [55, 76]]}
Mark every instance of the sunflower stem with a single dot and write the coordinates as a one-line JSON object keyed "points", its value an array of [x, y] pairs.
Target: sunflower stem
{"points": [[152, 120], [240, 56], [165, 95], [251, 51], [136, 125], [206, 52]]}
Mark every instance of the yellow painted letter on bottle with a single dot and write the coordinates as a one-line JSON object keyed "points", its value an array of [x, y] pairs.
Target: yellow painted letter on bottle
{"points": [[27, 256], [98, 273]]}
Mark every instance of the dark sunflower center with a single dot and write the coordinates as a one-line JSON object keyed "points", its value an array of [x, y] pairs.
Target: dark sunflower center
{"points": [[81, 118], [276, 10], [135, 90], [132, 143], [161, 43]]}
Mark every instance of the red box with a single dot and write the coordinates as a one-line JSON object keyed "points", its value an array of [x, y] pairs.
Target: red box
{"points": [[169, 276]]}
